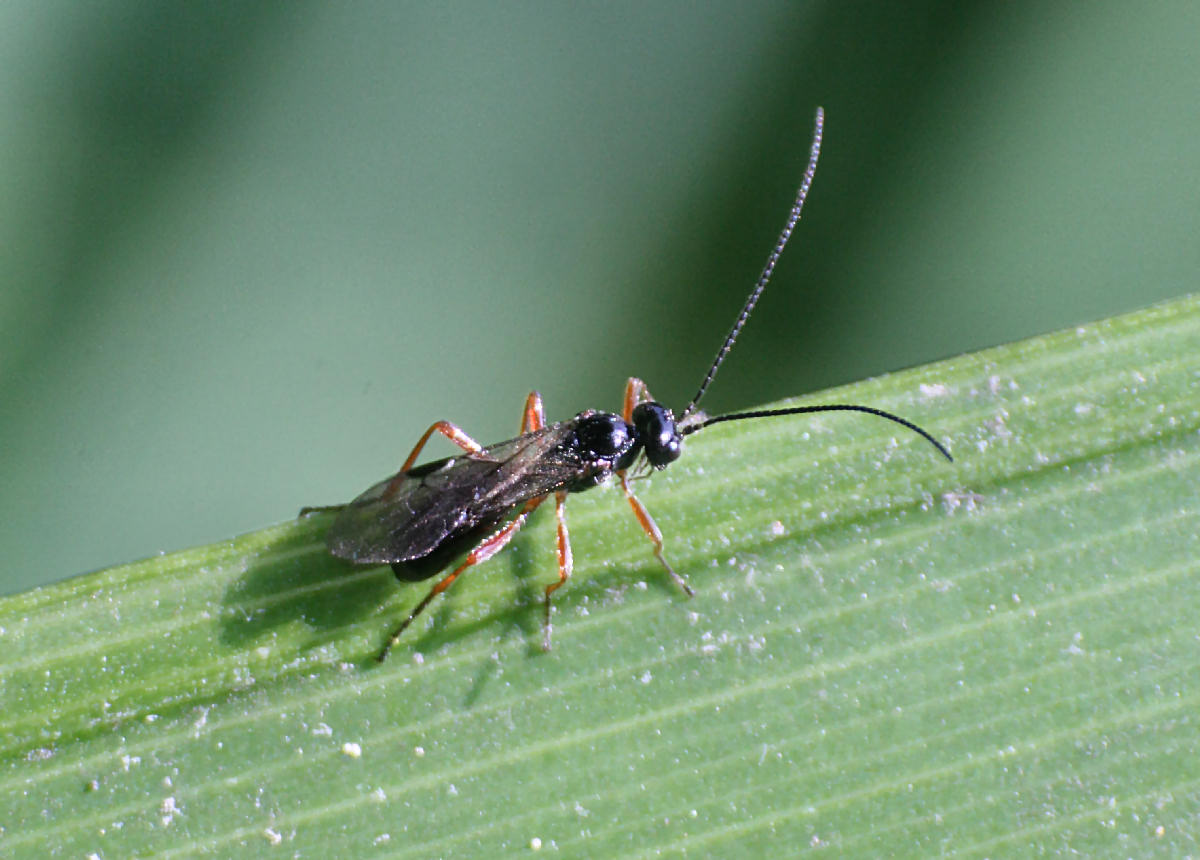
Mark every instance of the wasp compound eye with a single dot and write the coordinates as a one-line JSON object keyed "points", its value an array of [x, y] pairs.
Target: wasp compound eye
{"points": [[660, 437]]}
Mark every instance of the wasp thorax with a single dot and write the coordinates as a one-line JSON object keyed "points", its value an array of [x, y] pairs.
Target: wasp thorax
{"points": [[659, 435], [601, 436]]}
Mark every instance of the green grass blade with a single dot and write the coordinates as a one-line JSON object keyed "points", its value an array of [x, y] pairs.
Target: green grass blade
{"points": [[886, 655]]}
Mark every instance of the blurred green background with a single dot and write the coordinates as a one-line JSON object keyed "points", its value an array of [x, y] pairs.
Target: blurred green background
{"points": [[251, 250]]}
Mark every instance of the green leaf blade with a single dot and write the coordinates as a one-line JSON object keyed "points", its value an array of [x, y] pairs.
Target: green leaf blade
{"points": [[887, 654]]}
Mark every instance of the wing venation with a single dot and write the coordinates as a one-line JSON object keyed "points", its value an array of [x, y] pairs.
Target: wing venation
{"points": [[451, 496]]}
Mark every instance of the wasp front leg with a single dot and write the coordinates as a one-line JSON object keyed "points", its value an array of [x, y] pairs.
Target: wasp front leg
{"points": [[636, 392], [652, 531]]}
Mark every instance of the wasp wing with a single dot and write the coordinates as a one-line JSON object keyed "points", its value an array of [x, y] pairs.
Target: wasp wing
{"points": [[409, 515]]}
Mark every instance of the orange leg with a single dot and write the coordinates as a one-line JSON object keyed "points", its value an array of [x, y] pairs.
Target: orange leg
{"points": [[487, 548], [635, 392], [566, 562], [451, 432], [534, 417], [652, 532]]}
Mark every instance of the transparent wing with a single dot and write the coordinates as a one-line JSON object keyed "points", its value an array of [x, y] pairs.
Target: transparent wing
{"points": [[408, 516]]}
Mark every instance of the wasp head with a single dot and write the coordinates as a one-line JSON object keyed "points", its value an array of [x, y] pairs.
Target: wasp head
{"points": [[658, 433]]}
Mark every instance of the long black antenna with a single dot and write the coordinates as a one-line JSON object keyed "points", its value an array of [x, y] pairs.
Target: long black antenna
{"points": [[831, 407], [687, 429], [793, 218]]}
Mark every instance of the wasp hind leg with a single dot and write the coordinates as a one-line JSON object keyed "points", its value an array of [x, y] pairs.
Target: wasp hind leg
{"points": [[635, 392], [534, 416], [451, 432], [487, 548]]}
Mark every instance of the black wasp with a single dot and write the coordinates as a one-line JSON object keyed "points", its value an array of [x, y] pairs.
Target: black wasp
{"points": [[422, 518]]}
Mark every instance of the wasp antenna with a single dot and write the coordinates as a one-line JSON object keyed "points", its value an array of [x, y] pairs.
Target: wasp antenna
{"points": [[781, 242], [834, 407]]}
